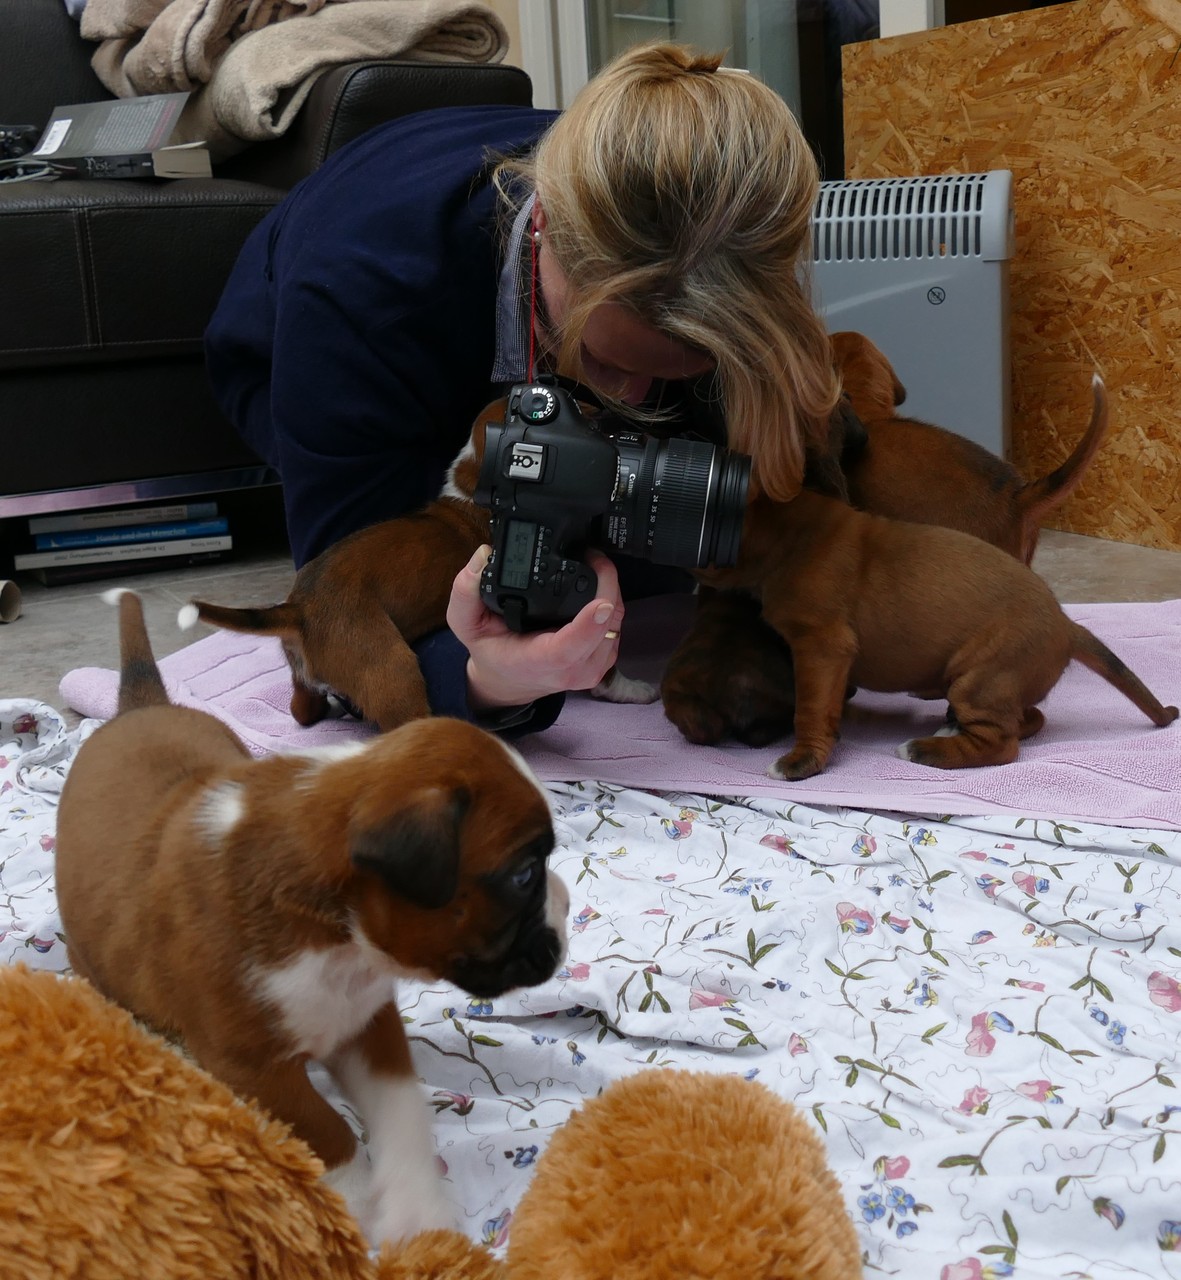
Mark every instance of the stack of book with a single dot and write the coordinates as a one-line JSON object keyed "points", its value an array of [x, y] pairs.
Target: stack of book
{"points": [[86, 545]]}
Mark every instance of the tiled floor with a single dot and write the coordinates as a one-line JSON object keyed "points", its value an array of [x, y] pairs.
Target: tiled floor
{"points": [[66, 627]]}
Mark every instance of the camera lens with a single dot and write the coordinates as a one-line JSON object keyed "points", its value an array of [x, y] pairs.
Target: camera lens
{"points": [[678, 502]]}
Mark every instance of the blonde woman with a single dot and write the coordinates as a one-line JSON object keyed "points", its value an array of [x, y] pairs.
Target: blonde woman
{"points": [[649, 241]]}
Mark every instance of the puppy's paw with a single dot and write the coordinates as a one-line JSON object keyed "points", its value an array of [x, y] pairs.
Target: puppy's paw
{"points": [[616, 687], [398, 1213], [353, 1182], [796, 765]]}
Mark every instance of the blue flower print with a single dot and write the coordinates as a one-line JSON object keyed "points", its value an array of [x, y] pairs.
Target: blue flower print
{"points": [[479, 1008], [905, 1229], [901, 1201], [523, 1157], [1116, 1032], [871, 1206], [1100, 1015]]}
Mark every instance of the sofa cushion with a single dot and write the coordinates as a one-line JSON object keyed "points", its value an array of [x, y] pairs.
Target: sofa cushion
{"points": [[119, 269]]}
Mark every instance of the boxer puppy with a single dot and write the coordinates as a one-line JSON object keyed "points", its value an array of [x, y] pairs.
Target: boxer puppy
{"points": [[895, 606], [263, 910], [354, 611], [732, 676], [911, 470]]}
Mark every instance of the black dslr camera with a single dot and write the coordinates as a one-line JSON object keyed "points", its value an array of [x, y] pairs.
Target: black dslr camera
{"points": [[558, 481]]}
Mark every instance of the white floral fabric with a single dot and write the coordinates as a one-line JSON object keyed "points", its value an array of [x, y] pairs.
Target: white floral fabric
{"points": [[980, 1015]]}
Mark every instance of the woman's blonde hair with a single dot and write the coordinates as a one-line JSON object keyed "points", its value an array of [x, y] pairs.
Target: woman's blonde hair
{"points": [[686, 192]]}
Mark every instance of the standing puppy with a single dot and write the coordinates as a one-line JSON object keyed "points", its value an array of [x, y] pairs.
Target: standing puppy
{"points": [[263, 910], [911, 470], [900, 607]]}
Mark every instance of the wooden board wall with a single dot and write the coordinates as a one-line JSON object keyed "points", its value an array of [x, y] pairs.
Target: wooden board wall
{"points": [[1082, 101]]}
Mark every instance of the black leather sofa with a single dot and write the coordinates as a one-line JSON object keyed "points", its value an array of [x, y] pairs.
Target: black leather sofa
{"points": [[106, 286]]}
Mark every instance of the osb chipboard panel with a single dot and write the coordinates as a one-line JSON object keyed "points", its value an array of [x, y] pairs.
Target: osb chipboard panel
{"points": [[1082, 101]]}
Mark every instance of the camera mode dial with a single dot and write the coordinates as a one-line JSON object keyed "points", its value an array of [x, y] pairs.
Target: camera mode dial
{"points": [[538, 404]]}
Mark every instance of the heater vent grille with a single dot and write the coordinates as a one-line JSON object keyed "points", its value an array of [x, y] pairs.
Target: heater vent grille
{"points": [[957, 216]]}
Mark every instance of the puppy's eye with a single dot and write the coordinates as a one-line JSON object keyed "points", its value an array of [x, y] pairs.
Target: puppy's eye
{"points": [[525, 878]]}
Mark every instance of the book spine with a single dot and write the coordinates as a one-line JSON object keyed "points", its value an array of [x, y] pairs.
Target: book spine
{"points": [[128, 551], [132, 533], [115, 517], [61, 575]]}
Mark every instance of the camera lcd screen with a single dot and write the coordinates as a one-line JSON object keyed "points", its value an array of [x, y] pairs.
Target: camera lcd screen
{"points": [[519, 540]]}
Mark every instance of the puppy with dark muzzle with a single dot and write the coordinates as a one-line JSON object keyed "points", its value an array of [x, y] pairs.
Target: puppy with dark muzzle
{"points": [[732, 677], [895, 606], [263, 911]]}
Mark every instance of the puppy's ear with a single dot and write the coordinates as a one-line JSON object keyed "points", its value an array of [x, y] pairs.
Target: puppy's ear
{"points": [[415, 852]]}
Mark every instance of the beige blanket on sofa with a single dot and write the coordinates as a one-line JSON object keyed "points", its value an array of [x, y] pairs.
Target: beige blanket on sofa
{"points": [[253, 62]]}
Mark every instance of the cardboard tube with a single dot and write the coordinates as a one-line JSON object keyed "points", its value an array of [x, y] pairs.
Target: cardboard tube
{"points": [[10, 601]]}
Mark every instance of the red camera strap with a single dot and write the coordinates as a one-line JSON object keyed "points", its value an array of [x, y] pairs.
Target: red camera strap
{"points": [[532, 299]]}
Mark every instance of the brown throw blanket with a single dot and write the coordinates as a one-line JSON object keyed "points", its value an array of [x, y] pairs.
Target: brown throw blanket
{"points": [[253, 62]]}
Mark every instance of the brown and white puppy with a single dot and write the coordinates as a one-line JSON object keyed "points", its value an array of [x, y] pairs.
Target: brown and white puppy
{"points": [[912, 470], [263, 911], [354, 611], [896, 606]]}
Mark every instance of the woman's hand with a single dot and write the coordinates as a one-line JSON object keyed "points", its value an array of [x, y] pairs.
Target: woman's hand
{"points": [[506, 668]]}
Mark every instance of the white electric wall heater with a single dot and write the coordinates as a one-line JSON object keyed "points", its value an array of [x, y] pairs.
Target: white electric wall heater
{"points": [[921, 267]]}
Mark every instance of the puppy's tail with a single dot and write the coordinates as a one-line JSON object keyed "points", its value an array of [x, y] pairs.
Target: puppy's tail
{"points": [[269, 620], [1039, 497], [140, 684], [1093, 653]]}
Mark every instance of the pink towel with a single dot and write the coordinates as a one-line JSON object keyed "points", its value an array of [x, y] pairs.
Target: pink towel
{"points": [[1098, 759]]}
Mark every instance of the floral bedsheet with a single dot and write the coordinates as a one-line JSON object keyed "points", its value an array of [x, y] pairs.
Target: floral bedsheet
{"points": [[980, 1015]]}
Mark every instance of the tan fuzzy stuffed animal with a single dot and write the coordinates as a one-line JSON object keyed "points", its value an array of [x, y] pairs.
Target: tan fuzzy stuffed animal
{"points": [[119, 1159]]}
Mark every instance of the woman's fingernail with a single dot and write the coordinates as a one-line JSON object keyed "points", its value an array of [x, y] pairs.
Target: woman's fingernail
{"points": [[604, 611]]}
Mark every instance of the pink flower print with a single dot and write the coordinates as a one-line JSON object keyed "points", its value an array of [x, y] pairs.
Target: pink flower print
{"points": [[1025, 984], [796, 1045], [495, 1231], [42, 945], [974, 1269], [1032, 885], [6, 787], [975, 855], [981, 1041], [781, 844], [575, 972], [460, 1103], [853, 919], [677, 828], [699, 999], [981, 935], [1108, 1209], [864, 846], [975, 1102], [891, 1168], [584, 917], [1163, 991], [4, 762], [668, 878], [990, 884], [1029, 928], [899, 924], [47, 843], [655, 911], [1039, 1091], [25, 724]]}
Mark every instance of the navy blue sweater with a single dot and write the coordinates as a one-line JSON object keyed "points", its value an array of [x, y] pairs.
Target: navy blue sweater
{"points": [[353, 345]]}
